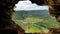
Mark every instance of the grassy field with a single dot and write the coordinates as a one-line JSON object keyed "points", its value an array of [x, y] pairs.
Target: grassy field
{"points": [[33, 22]]}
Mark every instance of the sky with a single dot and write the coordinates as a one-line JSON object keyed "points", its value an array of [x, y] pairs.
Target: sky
{"points": [[27, 5]]}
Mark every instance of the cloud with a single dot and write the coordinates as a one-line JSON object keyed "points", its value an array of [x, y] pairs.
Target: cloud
{"points": [[27, 5]]}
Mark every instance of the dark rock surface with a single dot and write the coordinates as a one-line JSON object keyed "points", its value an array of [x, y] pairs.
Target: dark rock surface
{"points": [[7, 25]]}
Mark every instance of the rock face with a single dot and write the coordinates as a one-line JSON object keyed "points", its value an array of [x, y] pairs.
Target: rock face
{"points": [[8, 26], [54, 10], [6, 22], [54, 30], [54, 6]]}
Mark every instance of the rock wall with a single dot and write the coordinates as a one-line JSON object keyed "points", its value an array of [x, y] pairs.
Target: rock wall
{"points": [[54, 10], [54, 7], [6, 22]]}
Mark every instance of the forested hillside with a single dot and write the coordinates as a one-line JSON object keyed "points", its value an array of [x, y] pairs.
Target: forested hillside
{"points": [[35, 20]]}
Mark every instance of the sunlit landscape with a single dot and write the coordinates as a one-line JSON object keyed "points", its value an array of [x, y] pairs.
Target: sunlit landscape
{"points": [[35, 21]]}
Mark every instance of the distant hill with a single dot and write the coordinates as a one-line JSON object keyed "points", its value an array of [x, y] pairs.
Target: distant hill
{"points": [[31, 13], [33, 17]]}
